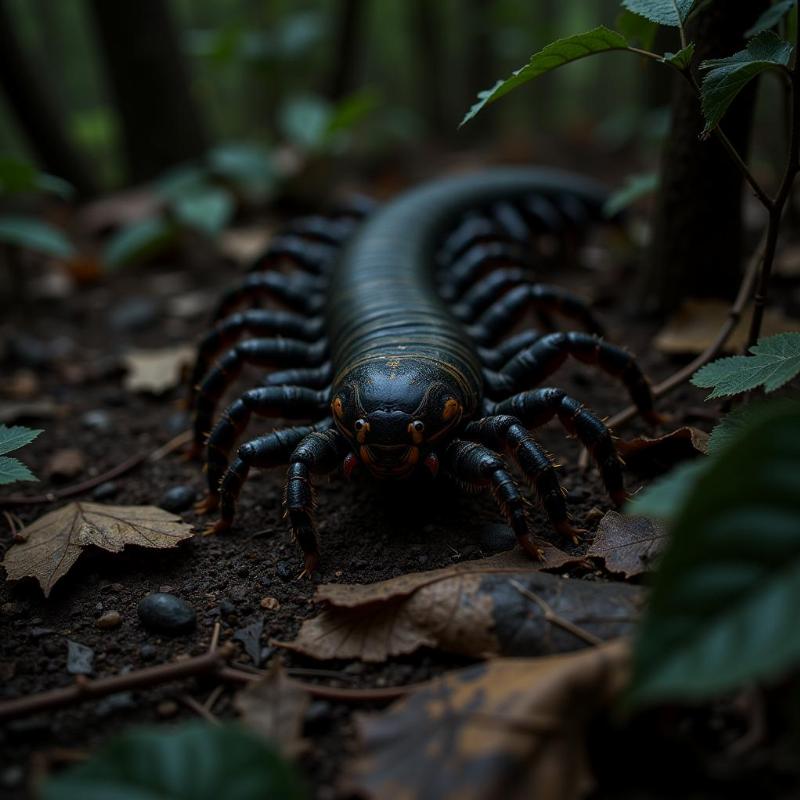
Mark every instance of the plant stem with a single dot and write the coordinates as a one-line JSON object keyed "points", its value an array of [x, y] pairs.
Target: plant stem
{"points": [[776, 211]]}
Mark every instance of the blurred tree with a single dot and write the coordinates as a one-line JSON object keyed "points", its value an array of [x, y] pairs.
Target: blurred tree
{"points": [[161, 124], [479, 67], [696, 249], [348, 21], [36, 111], [426, 27]]}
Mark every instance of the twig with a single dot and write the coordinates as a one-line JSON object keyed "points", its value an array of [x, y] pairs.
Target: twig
{"points": [[212, 699], [199, 709], [78, 488], [555, 618]]}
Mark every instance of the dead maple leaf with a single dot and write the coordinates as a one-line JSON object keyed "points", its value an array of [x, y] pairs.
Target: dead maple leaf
{"points": [[697, 322], [156, 371], [275, 708], [658, 454], [476, 608], [52, 544], [628, 545], [510, 728]]}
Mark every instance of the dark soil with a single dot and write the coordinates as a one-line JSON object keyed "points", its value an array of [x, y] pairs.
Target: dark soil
{"points": [[368, 532]]}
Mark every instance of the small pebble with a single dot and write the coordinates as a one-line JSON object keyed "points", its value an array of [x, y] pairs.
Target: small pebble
{"points": [[80, 658], [105, 491], [284, 570], [166, 613], [109, 620], [133, 313], [226, 607], [147, 652], [270, 603], [166, 709], [177, 499], [97, 420]]}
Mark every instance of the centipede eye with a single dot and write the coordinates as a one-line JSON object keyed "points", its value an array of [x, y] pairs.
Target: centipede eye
{"points": [[359, 424], [418, 425]]}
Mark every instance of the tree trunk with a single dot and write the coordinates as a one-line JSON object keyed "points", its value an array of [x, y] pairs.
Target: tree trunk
{"points": [[427, 33], [696, 249], [35, 110], [161, 125], [479, 67], [348, 18]]}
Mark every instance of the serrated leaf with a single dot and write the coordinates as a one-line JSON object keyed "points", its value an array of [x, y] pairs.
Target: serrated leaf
{"points": [[12, 470], [207, 211], [663, 12], [635, 188], [188, 762], [771, 17], [723, 608], [33, 234], [138, 241], [682, 59], [556, 54], [773, 363], [734, 422], [47, 548], [728, 76], [15, 437], [636, 28]]}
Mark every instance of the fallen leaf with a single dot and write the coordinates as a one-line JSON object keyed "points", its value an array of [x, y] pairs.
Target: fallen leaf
{"points": [[628, 545], [663, 452], [250, 637], [476, 608], [510, 728], [696, 325], [275, 708], [156, 371], [66, 463], [52, 544]]}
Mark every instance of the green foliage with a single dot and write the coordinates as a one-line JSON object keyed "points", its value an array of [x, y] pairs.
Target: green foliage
{"points": [[663, 12], [682, 59], [33, 234], [728, 76], [554, 55], [188, 762], [669, 492], [732, 424], [635, 188], [722, 610], [773, 363], [207, 211], [771, 17], [12, 469], [247, 168], [636, 29], [138, 241], [20, 176]]}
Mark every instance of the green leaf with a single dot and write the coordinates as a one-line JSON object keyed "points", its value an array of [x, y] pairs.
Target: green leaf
{"points": [[723, 608], [12, 470], [775, 361], [352, 110], [732, 424], [728, 76], [304, 121], [16, 175], [637, 29], [33, 234], [663, 497], [556, 54], [188, 762], [54, 185], [682, 59], [207, 211], [248, 167], [182, 181], [770, 18], [663, 12], [138, 241], [15, 437], [636, 187]]}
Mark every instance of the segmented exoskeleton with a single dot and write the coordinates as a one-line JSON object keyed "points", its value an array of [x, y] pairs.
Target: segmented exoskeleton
{"points": [[398, 374]]}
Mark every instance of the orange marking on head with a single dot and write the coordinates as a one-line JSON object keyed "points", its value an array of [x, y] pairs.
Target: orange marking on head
{"points": [[451, 408], [337, 407]]}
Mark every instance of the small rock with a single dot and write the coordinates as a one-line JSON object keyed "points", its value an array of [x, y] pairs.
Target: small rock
{"points": [[64, 464], [134, 313], [166, 709], [80, 658], [147, 652], [109, 620], [226, 608], [270, 603], [355, 668], [97, 420], [105, 491], [284, 570], [177, 499], [250, 637], [166, 613], [121, 701], [594, 514]]}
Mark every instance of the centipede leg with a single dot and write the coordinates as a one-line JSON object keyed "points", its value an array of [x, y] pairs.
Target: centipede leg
{"points": [[303, 293]]}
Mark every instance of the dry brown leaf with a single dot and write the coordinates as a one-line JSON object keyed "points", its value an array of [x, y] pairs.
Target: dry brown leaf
{"points": [[156, 371], [510, 728], [52, 544], [65, 463], [628, 545], [663, 452], [475, 608], [697, 322], [275, 708]]}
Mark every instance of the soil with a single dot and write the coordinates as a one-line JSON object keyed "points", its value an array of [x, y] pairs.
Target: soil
{"points": [[369, 532]]}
